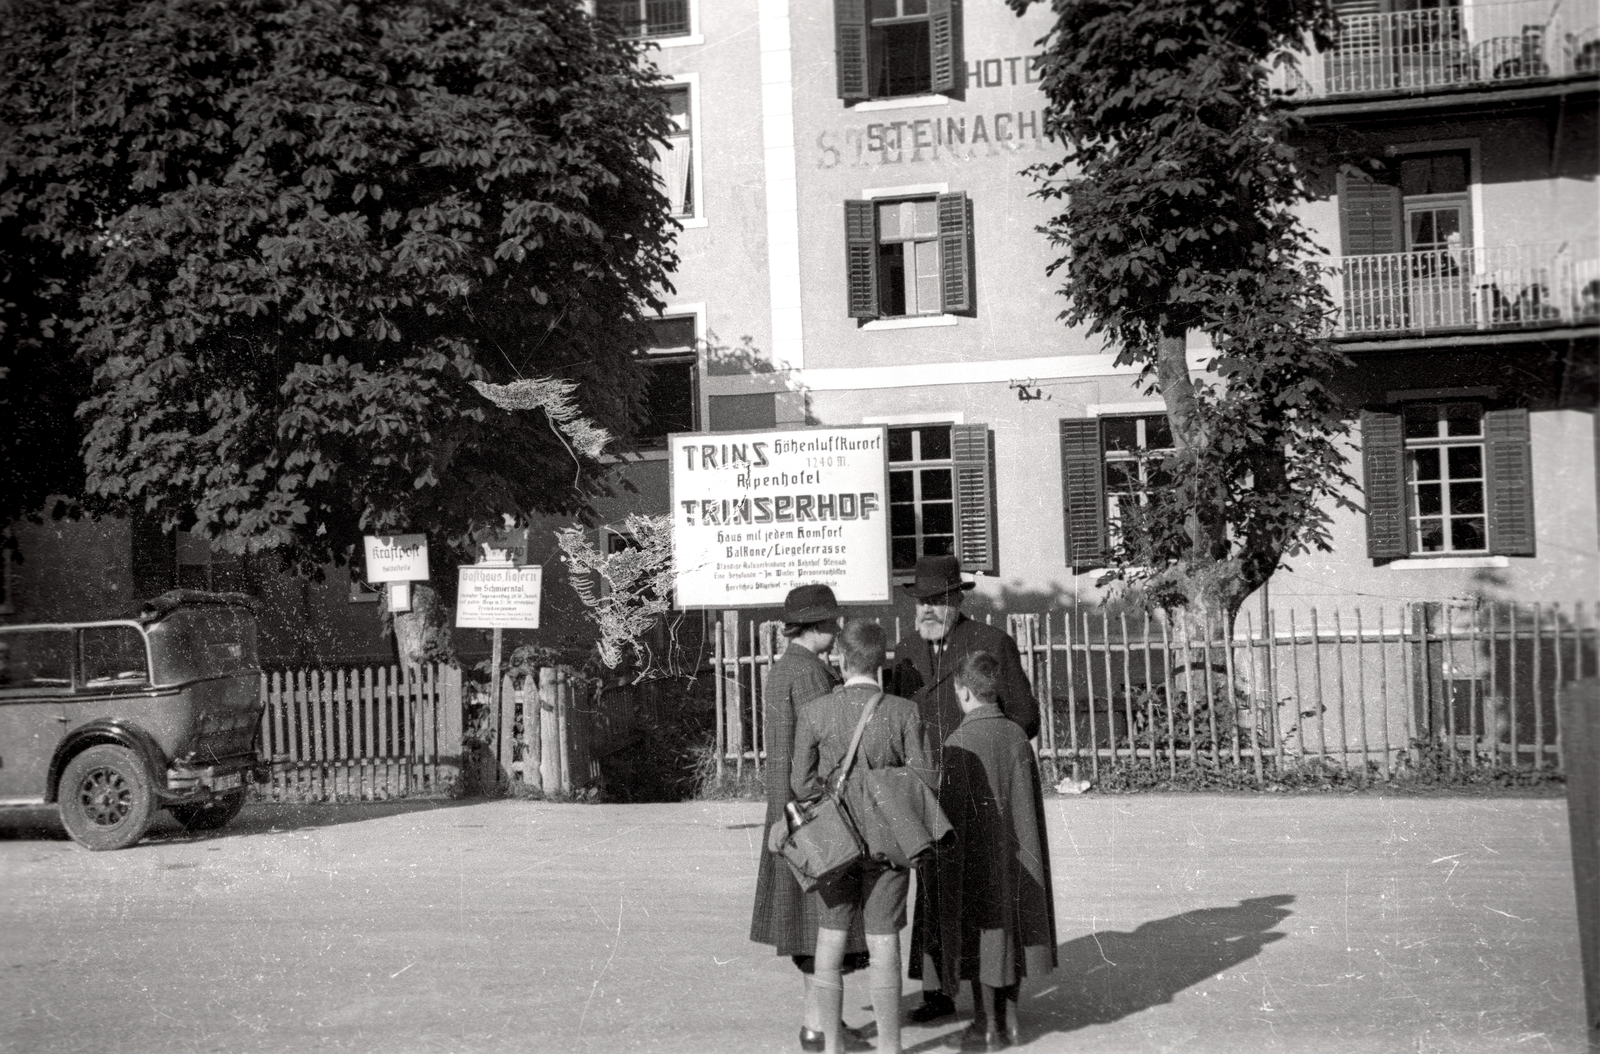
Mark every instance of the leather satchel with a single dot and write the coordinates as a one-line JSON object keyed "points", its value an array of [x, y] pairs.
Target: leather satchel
{"points": [[818, 838]]}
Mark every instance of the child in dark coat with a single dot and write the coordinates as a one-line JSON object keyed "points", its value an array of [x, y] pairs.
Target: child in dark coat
{"points": [[995, 904]]}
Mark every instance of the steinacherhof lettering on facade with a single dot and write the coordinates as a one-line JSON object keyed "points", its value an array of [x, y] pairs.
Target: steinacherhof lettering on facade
{"points": [[808, 505]]}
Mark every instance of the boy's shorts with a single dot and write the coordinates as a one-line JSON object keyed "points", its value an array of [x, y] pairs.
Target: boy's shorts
{"points": [[877, 890]]}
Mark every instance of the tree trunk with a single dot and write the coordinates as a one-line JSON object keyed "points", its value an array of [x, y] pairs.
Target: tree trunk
{"points": [[423, 633]]}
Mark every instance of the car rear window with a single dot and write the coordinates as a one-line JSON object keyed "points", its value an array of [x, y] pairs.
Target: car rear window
{"points": [[114, 656], [36, 658], [195, 643]]}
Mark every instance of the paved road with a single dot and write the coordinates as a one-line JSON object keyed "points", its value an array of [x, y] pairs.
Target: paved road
{"points": [[1191, 923]]}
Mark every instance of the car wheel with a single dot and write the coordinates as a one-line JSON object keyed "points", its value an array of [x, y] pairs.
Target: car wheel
{"points": [[210, 815], [106, 798]]}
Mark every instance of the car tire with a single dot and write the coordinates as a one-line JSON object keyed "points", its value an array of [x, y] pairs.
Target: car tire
{"points": [[210, 815], [106, 798]]}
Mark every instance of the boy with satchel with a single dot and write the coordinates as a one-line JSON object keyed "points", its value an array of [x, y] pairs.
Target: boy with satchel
{"points": [[891, 735]]}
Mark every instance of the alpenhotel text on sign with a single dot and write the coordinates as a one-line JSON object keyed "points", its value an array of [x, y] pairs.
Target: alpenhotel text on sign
{"points": [[755, 514]]}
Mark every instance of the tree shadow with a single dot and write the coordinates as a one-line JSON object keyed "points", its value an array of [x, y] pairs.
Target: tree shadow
{"points": [[1107, 975]]}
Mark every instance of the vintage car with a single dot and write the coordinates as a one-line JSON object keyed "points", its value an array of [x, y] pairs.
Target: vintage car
{"points": [[114, 720]]}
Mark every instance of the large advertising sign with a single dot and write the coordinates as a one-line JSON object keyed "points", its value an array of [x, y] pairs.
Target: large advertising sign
{"points": [[755, 514]]}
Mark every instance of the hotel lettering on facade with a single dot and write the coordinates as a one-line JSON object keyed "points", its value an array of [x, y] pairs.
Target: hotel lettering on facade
{"points": [[860, 246]]}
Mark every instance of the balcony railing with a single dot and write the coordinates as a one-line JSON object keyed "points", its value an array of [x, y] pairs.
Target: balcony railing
{"points": [[1417, 51], [1490, 288]]}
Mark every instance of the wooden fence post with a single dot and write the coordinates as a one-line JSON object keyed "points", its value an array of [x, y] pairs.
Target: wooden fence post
{"points": [[549, 702], [450, 744]]}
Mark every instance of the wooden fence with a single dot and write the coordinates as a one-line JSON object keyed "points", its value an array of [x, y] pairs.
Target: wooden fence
{"points": [[1370, 691], [363, 734]]}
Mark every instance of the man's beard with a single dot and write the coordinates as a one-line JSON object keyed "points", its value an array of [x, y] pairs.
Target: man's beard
{"points": [[932, 628]]}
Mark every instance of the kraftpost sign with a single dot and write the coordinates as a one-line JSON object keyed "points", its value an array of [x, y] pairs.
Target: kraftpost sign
{"points": [[755, 514], [397, 560]]}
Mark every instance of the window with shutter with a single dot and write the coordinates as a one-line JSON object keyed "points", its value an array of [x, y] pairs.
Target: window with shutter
{"points": [[887, 49], [1383, 474], [1447, 479], [909, 256], [972, 447], [1369, 217], [1510, 458], [1083, 493], [955, 254], [861, 258], [942, 496]]}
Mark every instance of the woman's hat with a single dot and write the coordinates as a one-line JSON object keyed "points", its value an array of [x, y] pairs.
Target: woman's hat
{"points": [[937, 576], [813, 603]]}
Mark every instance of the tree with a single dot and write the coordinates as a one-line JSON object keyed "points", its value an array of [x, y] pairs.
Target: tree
{"points": [[1178, 189], [283, 241]]}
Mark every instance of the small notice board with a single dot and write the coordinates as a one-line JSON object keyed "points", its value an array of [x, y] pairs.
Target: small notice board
{"points": [[499, 597]]}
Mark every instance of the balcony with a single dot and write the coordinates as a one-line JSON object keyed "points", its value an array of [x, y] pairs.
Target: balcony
{"points": [[1405, 52], [1507, 287]]}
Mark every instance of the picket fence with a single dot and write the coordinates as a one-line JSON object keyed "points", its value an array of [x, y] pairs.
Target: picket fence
{"points": [[1372, 692], [377, 732]]}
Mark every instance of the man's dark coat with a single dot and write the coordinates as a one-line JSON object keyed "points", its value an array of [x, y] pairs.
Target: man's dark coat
{"points": [[936, 669], [934, 679], [991, 899], [785, 916]]}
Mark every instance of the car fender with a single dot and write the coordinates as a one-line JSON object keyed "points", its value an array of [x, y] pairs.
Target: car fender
{"points": [[116, 733]]}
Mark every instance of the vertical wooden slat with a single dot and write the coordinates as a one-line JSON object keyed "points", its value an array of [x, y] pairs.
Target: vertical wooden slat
{"points": [[1447, 654], [1067, 633], [1491, 717], [1166, 684], [1149, 693], [1230, 689], [1188, 688], [380, 695], [369, 735], [1088, 681], [1383, 695], [1270, 630], [1557, 695], [1408, 677], [1338, 658], [1111, 684], [755, 698], [1322, 708], [1511, 686], [720, 693], [1127, 689], [302, 721], [1474, 692], [1361, 692], [1211, 692], [1049, 702], [1538, 686], [1299, 689]]}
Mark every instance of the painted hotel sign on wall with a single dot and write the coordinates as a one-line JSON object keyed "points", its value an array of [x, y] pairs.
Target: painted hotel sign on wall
{"points": [[755, 514]]}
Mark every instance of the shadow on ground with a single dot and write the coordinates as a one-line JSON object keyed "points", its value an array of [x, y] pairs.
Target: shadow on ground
{"points": [[42, 824], [1110, 974]]}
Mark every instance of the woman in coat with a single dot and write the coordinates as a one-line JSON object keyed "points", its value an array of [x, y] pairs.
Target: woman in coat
{"points": [[872, 891], [784, 915]]}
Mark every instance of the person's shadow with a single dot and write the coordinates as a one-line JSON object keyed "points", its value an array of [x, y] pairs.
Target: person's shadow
{"points": [[1107, 975]]}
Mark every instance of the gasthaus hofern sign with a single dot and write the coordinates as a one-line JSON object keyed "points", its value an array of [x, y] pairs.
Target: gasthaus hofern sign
{"points": [[755, 514]]}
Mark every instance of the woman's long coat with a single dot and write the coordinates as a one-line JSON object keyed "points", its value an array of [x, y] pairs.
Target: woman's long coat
{"points": [[785, 916], [991, 896]]}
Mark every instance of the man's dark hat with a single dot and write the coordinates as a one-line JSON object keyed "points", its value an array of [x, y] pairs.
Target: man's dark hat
{"points": [[807, 604], [937, 576]]}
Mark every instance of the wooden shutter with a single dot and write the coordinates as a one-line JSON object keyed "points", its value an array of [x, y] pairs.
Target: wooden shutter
{"points": [[977, 542], [1370, 218], [1083, 493], [1510, 469], [850, 48], [955, 254], [1384, 483], [861, 257], [944, 42]]}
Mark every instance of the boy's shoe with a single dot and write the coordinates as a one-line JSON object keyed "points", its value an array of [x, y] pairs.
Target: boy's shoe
{"points": [[934, 1006], [978, 1036], [813, 1042]]}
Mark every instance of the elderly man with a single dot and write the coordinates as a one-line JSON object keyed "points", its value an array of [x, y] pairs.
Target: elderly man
{"points": [[945, 637]]}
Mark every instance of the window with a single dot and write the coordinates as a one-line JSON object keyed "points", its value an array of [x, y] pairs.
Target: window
{"points": [[909, 257], [1133, 448], [670, 399], [941, 496], [1108, 466], [113, 655], [6, 560], [36, 658], [886, 49], [1447, 479], [646, 18], [674, 164], [1417, 205]]}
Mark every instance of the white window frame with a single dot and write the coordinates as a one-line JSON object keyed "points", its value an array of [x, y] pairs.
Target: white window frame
{"points": [[693, 37], [696, 153], [915, 466]]}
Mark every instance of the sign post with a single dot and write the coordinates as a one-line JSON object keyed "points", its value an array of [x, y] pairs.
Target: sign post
{"points": [[499, 596], [755, 514], [397, 560]]}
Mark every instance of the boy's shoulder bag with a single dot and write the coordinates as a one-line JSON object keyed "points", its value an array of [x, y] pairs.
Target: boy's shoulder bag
{"points": [[819, 838]]}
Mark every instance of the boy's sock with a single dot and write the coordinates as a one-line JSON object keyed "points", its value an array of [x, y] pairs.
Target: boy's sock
{"points": [[884, 976]]}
